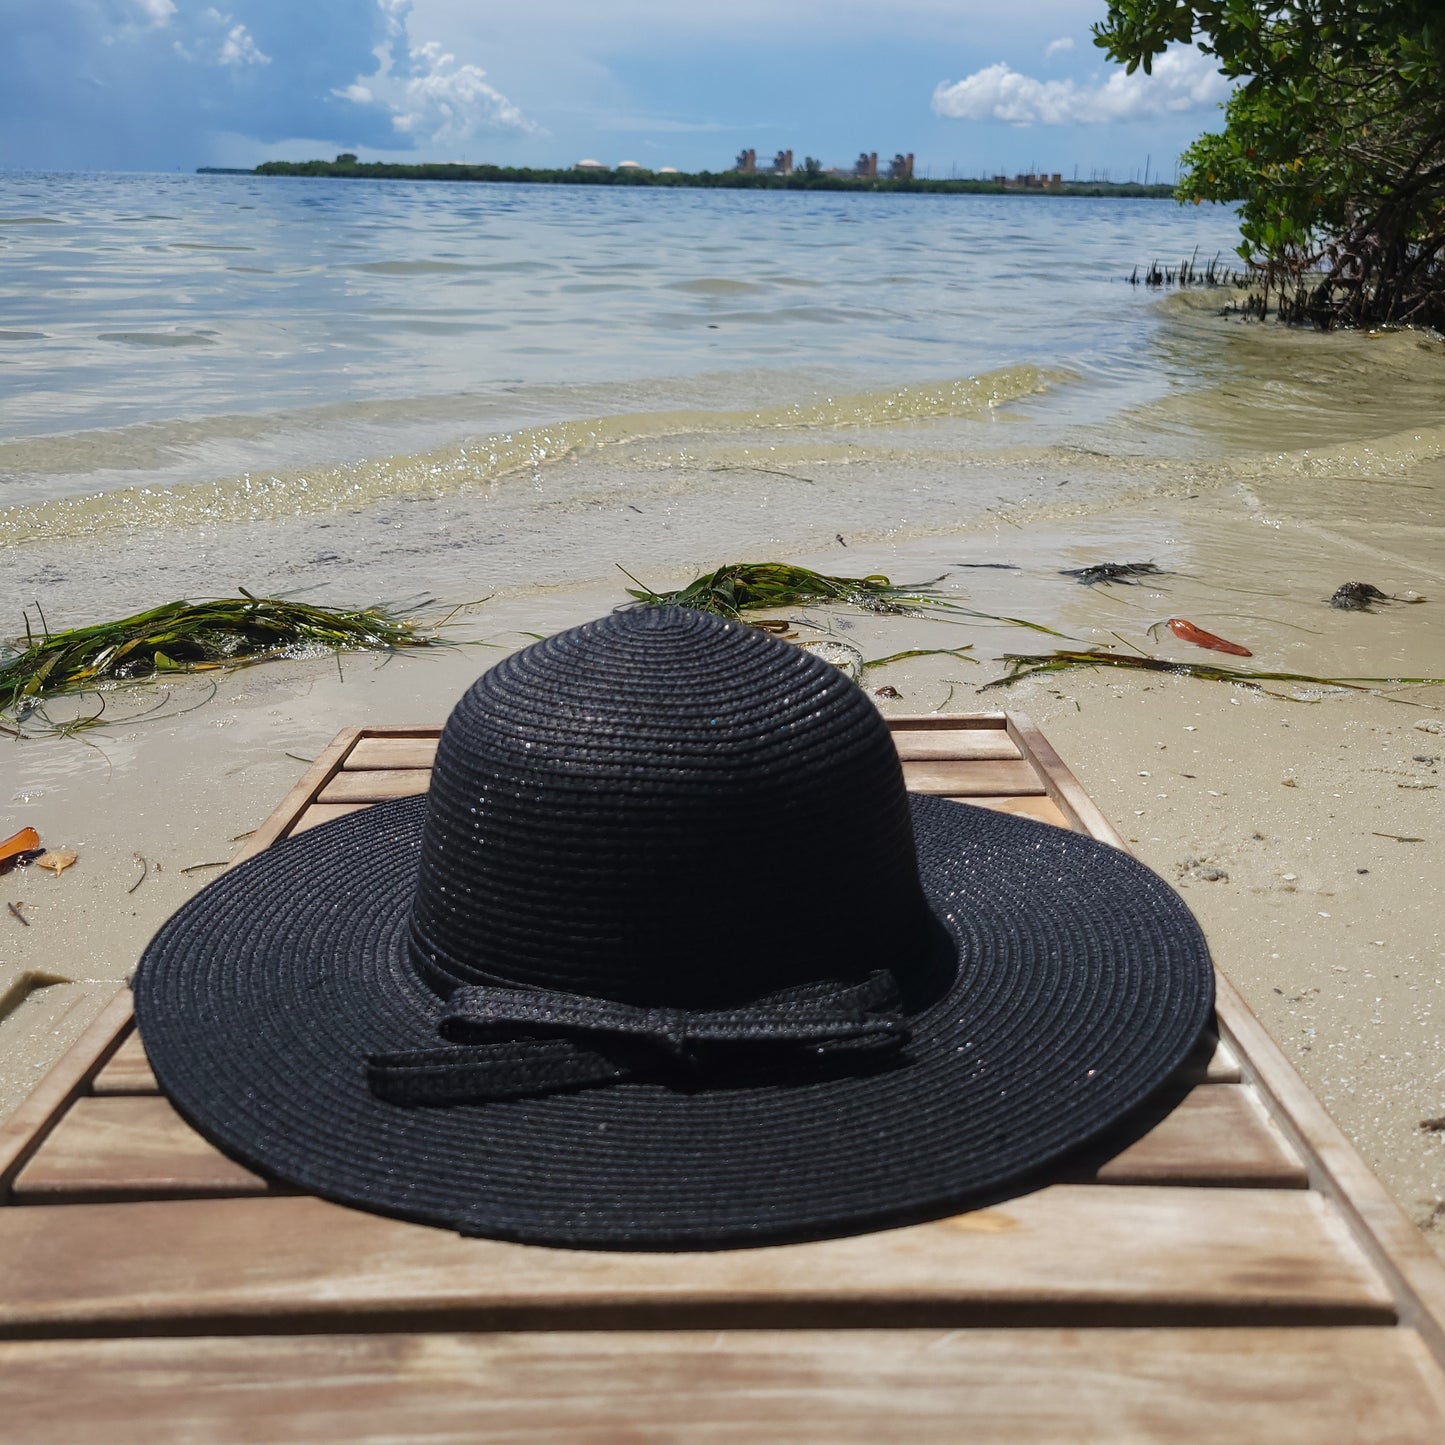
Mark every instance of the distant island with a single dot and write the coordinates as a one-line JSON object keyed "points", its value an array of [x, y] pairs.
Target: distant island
{"points": [[347, 167]]}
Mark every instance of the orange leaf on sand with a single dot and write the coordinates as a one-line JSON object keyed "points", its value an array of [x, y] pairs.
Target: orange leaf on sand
{"points": [[25, 841], [56, 859], [1200, 638]]}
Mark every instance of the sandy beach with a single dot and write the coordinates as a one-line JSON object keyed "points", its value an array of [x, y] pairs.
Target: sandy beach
{"points": [[1303, 825]]}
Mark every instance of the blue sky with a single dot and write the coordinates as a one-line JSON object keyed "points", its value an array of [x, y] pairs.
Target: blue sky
{"points": [[969, 86]]}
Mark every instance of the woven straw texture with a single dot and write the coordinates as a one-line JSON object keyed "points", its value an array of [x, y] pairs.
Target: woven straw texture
{"points": [[589, 813]]}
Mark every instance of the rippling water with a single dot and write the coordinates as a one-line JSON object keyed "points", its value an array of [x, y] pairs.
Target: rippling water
{"points": [[389, 386]]}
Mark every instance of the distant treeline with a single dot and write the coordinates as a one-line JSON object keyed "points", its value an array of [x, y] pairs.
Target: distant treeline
{"points": [[349, 169]]}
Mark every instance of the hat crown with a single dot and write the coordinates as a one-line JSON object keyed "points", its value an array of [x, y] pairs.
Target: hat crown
{"points": [[664, 807]]}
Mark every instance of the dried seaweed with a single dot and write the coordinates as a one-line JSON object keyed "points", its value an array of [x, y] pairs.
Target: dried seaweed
{"points": [[957, 653], [1112, 572], [741, 587], [1022, 666], [184, 637]]}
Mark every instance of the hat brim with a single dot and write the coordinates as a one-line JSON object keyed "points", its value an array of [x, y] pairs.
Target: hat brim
{"points": [[1082, 983]]}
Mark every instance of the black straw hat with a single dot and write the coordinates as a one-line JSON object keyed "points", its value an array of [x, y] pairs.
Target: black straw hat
{"points": [[668, 958]]}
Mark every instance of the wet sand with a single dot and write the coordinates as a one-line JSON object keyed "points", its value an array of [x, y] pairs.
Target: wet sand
{"points": [[1281, 816]]}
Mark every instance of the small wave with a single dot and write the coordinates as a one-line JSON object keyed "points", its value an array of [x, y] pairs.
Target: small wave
{"points": [[419, 327], [716, 286], [31, 221], [22, 336], [484, 462], [414, 268], [784, 316], [158, 338]]}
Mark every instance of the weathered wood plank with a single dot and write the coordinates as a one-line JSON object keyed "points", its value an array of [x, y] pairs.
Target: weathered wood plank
{"points": [[128, 1146], [128, 1072], [947, 721], [1216, 1135], [981, 776], [138, 1147], [912, 743], [1066, 1254], [1041, 808], [375, 785], [303, 790], [1413, 1271], [26, 1129], [370, 752], [1212, 1062], [319, 813], [1047, 1387], [917, 744], [972, 778], [1060, 784], [988, 772]]}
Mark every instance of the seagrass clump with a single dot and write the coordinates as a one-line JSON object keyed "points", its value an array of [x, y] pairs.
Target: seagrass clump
{"points": [[182, 637], [740, 587], [1033, 665]]}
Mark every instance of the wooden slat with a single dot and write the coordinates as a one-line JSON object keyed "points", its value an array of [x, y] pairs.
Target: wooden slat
{"points": [[128, 1146], [912, 743], [1067, 1254], [26, 1129], [319, 813], [1212, 1062], [375, 785], [306, 787], [370, 752], [22, 1133], [1039, 807], [1413, 1271], [138, 1147], [405, 753], [985, 1386], [954, 722], [916, 744], [1215, 1135], [980, 778], [1060, 784], [128, 1072]]}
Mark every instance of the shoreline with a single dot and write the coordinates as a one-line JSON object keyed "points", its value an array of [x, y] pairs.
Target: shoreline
{"points": [[1294, 797], [799, 180]]}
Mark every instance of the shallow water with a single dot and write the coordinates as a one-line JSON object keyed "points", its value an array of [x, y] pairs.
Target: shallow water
{"points": [[377, 389]]}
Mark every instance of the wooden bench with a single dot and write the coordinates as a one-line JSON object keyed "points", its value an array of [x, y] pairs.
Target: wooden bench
{"points": [[1225, 1269]]}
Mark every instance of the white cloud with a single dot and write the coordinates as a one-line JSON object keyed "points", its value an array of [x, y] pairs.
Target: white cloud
{"points": [[158, 12], [241, 49], [431, 95], [1182, 80], [449, 102], [1058, 47]]}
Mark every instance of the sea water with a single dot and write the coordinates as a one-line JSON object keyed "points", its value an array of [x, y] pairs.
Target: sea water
{"points": [[359, 390]]}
